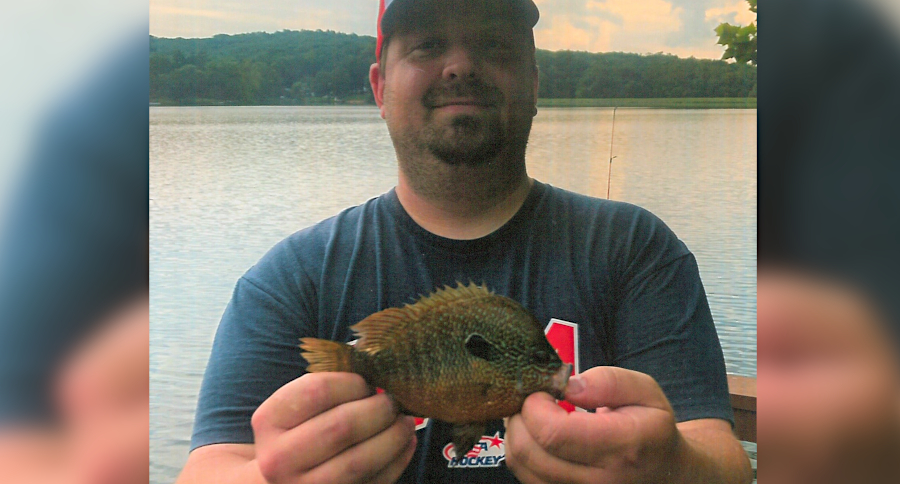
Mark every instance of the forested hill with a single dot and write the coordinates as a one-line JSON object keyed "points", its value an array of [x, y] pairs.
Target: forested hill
{"points": [[307, 67]]}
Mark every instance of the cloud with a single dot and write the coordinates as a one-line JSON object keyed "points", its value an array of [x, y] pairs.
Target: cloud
{"points": [[205, 18], [575, 31], [701, 17], [611, 25], [681, 27], [737, 13]]}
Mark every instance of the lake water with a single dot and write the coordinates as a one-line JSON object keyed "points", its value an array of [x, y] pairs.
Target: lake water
{"points": [[228, 183]]}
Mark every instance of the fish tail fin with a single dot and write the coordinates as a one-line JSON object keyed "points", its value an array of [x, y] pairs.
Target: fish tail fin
{"points": [[325, 355]]}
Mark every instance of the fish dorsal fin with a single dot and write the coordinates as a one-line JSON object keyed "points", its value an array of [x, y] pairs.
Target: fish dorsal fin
{"points": [[449, 294], [374, 332]]}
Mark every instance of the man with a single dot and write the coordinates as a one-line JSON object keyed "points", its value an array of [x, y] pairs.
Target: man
{"points": [[456, 82]]}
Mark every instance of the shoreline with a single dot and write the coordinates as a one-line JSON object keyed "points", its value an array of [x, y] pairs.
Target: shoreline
{"points": [[659, 103]]}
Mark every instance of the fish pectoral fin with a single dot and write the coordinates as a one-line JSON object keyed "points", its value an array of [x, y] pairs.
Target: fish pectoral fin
{"points": [[465, 436]]}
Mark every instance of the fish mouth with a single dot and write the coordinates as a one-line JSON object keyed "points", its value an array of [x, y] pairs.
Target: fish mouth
{"points": [[559, 380]]}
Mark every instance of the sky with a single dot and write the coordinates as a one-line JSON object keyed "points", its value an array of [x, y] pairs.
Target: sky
{"points": [[681, 27]]}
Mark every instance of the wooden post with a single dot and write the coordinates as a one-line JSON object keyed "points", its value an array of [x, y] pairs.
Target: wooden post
{"points": [[743, 401]]}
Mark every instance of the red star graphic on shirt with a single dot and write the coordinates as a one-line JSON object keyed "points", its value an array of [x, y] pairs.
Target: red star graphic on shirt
{"points": [[496, 440]]}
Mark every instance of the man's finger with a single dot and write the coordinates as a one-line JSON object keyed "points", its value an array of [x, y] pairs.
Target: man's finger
{"points": [[608, 386], [383, 456], [586, 437], [394, 470], [531, 463], [578, 436], [306, 397], [331, 432]]}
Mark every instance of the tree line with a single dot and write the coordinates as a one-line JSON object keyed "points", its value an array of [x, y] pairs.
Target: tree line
{"points": [[325, 67]]}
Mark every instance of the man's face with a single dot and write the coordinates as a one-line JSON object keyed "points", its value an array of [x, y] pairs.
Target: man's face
{"points": [[460, 86]]}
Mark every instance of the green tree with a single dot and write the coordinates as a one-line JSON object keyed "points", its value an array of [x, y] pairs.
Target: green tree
{"points": [[224, 80], [300, 91], [291, 67], [739, 42], [160, 67], [186, 84]]}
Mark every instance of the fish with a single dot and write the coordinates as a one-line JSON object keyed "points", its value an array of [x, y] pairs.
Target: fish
{"points": [[463, 355]]}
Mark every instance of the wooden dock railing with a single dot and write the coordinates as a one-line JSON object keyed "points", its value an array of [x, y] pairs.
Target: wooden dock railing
{"points": [[743, 401]]}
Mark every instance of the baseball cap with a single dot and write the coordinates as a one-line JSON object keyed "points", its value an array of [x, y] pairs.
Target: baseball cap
{"points": [[389, 14]]}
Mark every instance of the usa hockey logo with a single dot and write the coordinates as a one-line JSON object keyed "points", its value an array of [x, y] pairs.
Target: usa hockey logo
{"points": [[488, 452]]}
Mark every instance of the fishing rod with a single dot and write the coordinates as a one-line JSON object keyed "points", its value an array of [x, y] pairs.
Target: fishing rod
{"points": [[611, 139]]}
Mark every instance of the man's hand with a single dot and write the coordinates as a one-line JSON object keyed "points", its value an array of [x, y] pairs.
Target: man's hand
{"points": [[331, 428], [631, 438]]}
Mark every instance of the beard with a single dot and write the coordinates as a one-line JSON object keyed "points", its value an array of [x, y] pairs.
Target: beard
{"points": [[466, 140], [473, 155]]}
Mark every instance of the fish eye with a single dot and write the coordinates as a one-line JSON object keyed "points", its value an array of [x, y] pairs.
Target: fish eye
{"points": [[479, 347]]}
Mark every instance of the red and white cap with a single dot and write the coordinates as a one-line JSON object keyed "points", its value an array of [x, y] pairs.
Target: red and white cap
{"points": [[388, 15]]}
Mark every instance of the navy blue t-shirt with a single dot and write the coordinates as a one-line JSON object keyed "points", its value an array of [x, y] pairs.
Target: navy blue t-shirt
{"points": [[616, 283]]}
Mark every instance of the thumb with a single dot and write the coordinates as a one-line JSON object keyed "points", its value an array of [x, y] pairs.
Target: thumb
{"points": [[613, 387]]}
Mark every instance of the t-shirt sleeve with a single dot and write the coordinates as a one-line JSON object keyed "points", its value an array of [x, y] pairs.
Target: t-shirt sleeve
{"points": [[664, 327], [255, 351]]}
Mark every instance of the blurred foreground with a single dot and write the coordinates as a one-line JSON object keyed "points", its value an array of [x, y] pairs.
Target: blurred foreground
{"points": [[829, 277], [74, 319]]}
